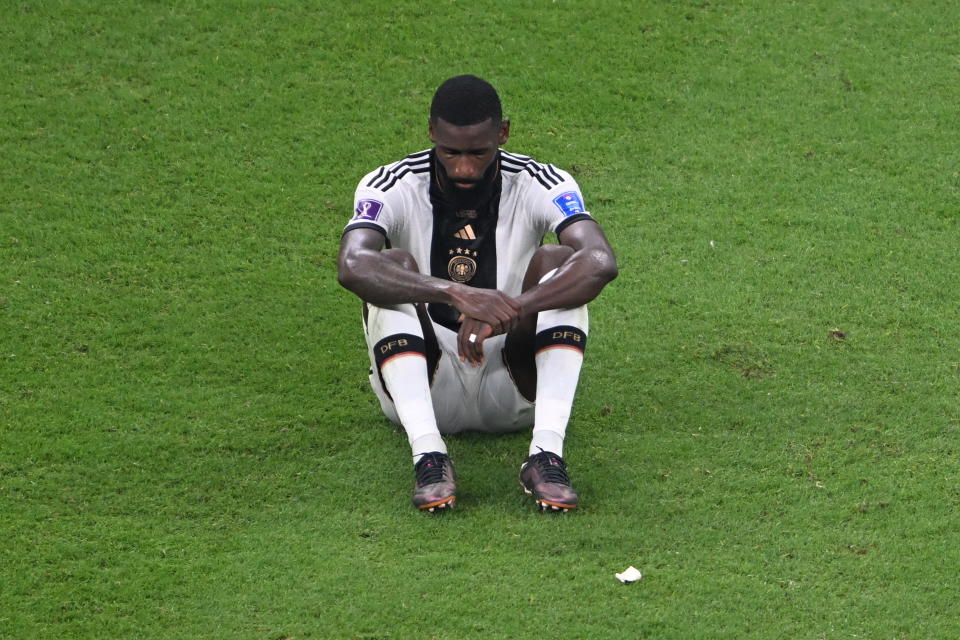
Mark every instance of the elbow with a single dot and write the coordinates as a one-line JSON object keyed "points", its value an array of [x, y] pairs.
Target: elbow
{"points": [[612, 270], [344, 279], [346, 275]]}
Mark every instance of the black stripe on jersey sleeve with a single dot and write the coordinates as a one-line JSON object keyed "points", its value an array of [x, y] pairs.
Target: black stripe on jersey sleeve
{"points": [[515, 158], [513, 164], [386, 177], [376, 177], [537, 172], [394, 173], [552, 171], [574, 218], [364, 225], [396, 177], [546, 175], [389, 178]]}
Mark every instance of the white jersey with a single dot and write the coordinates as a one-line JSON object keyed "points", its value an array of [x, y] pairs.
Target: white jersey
{"points": [[534, 199], [489, 246]]}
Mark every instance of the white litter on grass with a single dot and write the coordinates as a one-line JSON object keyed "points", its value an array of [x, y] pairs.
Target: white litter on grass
{"points": [[631, 574]]}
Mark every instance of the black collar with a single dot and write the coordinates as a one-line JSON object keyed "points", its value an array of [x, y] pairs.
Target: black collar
{"points": [[465, 200]]}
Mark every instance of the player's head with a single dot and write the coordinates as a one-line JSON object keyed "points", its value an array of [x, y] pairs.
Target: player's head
{"points": [[467, 128], [464, 100]]}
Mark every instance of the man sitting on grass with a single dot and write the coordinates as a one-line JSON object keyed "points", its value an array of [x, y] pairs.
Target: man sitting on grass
{"points": [[471, 322]]}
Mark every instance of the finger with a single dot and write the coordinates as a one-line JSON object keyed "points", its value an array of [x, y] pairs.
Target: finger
{"points": [[496, 316], [472, 348], [462, 344], [515, 307], [505, 320], [466, 340], [483, 332], [477, 351], [475, 344], [470, 341], [492, 307], [513, 314]]}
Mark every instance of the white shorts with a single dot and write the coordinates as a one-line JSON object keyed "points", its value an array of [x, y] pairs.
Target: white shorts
{"points": [[467, 397]]}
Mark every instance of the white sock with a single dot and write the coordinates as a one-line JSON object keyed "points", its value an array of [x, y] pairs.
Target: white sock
{"points": [[546, 440], [561, 337], [396, 336], [427, 444]]}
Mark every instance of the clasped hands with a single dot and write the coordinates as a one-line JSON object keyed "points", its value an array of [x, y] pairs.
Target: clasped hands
{"points": [[484, 313]]}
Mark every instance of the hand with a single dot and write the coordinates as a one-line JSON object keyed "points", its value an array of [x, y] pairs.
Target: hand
{"points": [[472, 350], [494, 308]]}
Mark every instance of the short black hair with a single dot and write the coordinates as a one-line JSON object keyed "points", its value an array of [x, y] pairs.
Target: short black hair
{"points": [[464, 100]]}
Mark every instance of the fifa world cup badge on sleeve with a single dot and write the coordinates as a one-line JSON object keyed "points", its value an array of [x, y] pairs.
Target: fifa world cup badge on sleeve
{"points": [[367, 210], [569, 203]]}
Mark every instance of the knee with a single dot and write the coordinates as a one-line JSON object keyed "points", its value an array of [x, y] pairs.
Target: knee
{"points": [[545, 259], [551, 256]]}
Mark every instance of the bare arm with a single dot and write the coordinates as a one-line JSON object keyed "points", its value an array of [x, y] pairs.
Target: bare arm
{"points": [[379, 280], [577, 281], [581, 278], [364, 270]]}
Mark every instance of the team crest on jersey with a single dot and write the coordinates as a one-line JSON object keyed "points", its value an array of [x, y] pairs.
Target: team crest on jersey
{"points": [[368, 209], [569, 203], [462, 266]]}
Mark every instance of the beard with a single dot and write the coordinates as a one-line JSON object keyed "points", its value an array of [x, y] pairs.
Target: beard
{"points": [[471, 197]]}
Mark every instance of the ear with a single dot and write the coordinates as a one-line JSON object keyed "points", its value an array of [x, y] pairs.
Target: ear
{"points": [[504, 132], [430, 129]]}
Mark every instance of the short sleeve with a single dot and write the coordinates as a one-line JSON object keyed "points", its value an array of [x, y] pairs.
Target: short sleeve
{"points": [[562, 204], [372, 209]]}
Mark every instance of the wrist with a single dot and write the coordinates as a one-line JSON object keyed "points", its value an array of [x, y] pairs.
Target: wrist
{"points": [[528, 305], [450, 292]]}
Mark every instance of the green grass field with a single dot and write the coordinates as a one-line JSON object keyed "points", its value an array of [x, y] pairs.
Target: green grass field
{"points": [[769, 416]]}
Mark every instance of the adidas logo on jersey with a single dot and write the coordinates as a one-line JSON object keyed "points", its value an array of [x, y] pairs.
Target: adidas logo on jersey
{"points": [[466, 233]]}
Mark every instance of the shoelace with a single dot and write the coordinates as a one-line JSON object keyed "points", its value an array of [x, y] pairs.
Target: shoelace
{"points": [[430, 468], [552, 467]]}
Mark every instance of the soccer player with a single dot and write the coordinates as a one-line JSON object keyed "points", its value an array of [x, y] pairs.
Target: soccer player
{"points": [[471, 322]]}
